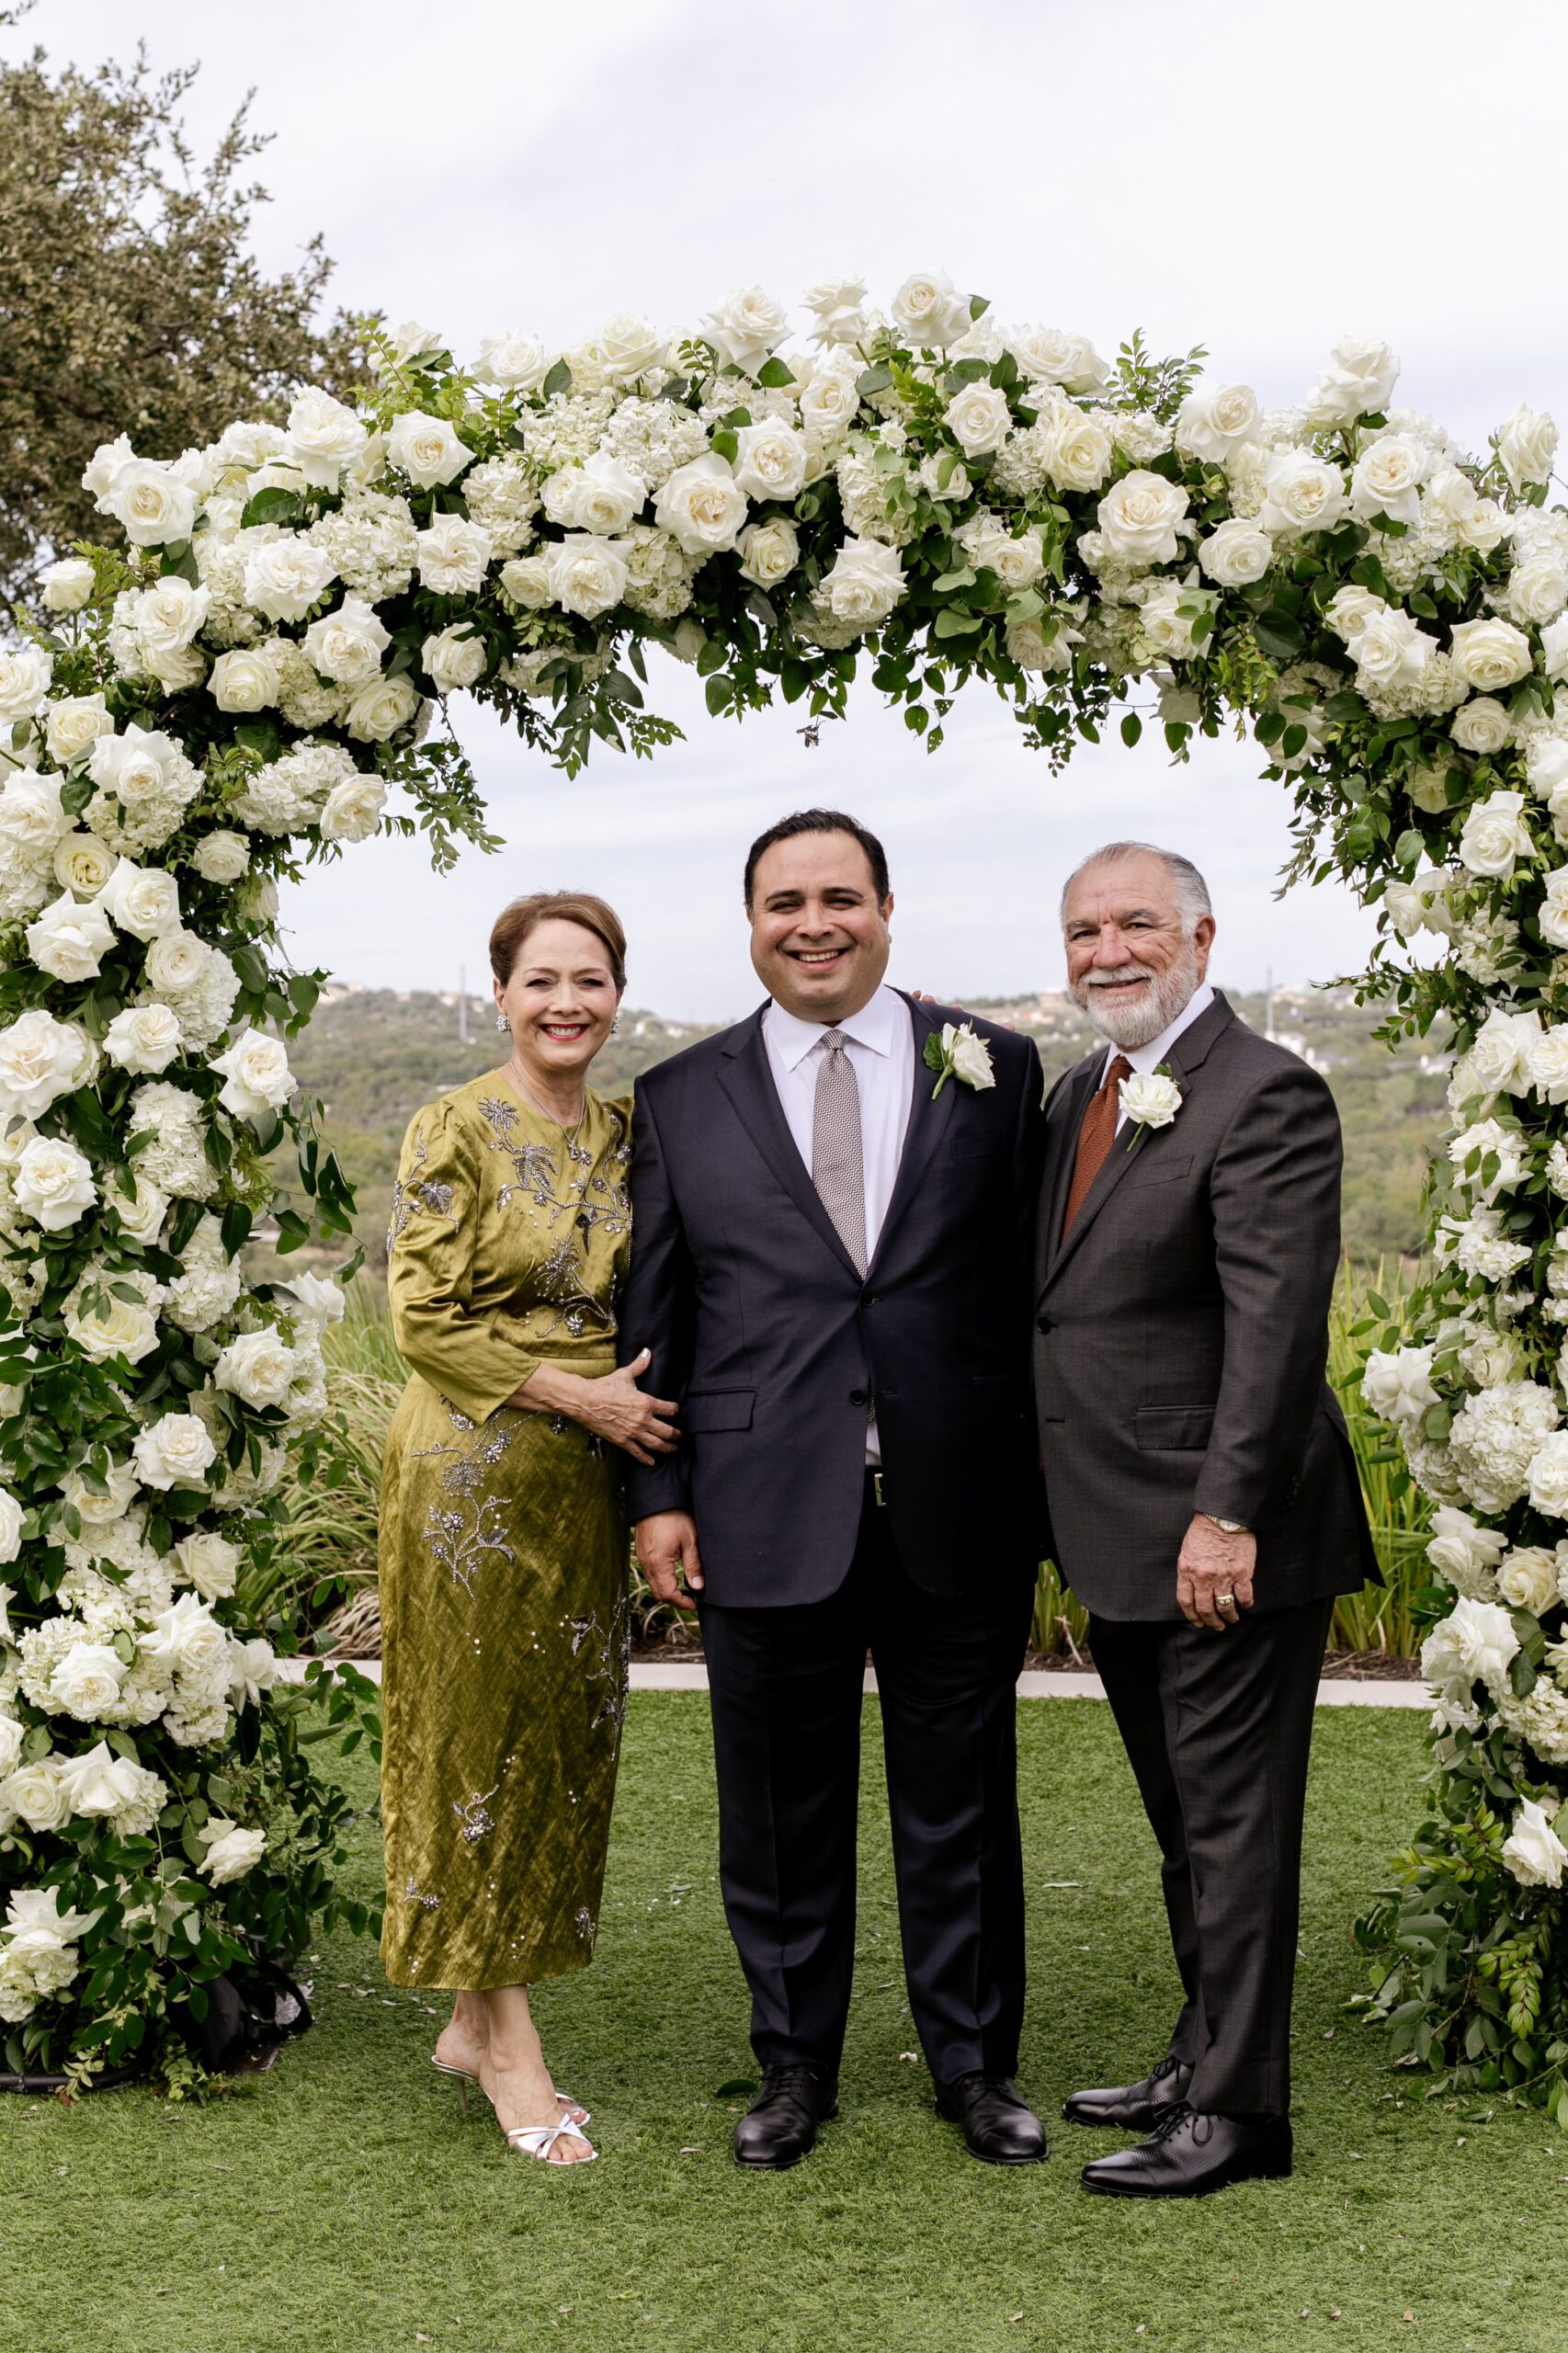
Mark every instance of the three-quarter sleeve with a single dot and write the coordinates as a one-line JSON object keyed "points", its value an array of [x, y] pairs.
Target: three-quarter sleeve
{"points": [[432, 1246]]}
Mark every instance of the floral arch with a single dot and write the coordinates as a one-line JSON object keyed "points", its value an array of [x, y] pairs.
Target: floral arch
{"points": [[241, 681]]}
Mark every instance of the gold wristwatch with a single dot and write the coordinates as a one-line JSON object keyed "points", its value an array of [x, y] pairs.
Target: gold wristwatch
{"points": [[1225, 1526]]}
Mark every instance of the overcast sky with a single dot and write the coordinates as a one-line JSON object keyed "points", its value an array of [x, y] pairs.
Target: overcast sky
{"points": [[1256, 176]]}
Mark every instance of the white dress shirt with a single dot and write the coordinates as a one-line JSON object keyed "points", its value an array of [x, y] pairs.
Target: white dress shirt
{"points": [[1145, 1060], [881, 1054]]}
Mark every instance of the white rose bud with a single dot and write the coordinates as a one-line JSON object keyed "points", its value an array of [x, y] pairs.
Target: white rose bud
{"points": [[67, 585], [210, 1563]]}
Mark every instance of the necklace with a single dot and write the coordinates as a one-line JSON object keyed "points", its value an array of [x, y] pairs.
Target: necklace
{"points": [[515, 1066]]}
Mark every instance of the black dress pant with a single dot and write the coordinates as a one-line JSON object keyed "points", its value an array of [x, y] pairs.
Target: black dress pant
{"points": [[786, 1690], [1217, 1728]]}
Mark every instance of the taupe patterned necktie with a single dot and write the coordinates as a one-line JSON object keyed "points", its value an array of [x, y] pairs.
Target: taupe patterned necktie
{"points": [[838, 1167]]}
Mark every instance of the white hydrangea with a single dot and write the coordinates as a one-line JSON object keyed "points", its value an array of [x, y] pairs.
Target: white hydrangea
{"points": [[209, 1284], [1496, 1436], [173, 1157]]}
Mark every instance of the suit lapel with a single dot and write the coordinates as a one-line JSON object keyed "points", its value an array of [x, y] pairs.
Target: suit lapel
{"points": [[747, 1079], [928, 1118], [1080, 1085], [1186, 1056]]}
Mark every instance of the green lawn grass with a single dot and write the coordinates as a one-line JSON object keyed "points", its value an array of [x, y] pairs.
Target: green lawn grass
{"points": [[342, 2204]]}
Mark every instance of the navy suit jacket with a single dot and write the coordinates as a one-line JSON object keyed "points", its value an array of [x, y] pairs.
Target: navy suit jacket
{"points": [[775, 1346]]}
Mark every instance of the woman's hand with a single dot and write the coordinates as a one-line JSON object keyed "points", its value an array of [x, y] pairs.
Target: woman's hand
{"points": [[613, 1406]]}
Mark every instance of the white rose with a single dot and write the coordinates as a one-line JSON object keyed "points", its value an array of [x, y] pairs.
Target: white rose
{"points": [[455, 657], [142, 1218], [1553, 915], [427, 448], [83, 864], [73, 725], [1386, 480], [412, 339], [1538, 590], [102, 1783], [1029, 646], [1555, 648], [1482, 725], [1500, 1058], [10, 1527], [144, 1038], [1138, 517], [454, 556], [231, 1851], [1215, 420], [747, 328], [1527, 1578], [1548, 1476], [380, 708], [34, 1792], [116, 1327], [67, 585], [770, 460], [979, 419], [10, 1745], [1527, 445], [1490, 654], [1532, 1850], [1548, 1064], [153, 506], [187, 1636], [516, 361], [86, 1681], [1079, 452], [210, 1563], [352, 811], [102, 467], [323, 438], [969, 1055], [864, 585], [256, 1076], [1397, 1384], [702, 507], [320, 1299], [69, 940], [220, 856], [1235, 553], [525, 579], [1474, 1644], [167, 616], [602, 496], [928, 312], [769, 550], [31, 813], [830, 399], [837, 306], [257, 1368], [245, 680], [1150, 1098], [347, 645], [40, 1059], [1494, 835], [142, 899], [1460, 1549], [1301, 492], [96, 1510], [1391, 649], [175, 1450], [1360, 383], [52, 1183], [1051, 357], [24, 674], [586, 575], [626, 348], [285, 578], [178, 960]]}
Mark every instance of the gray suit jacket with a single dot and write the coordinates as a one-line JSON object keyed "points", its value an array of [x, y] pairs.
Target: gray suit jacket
{"points": [[1181, 1333]]}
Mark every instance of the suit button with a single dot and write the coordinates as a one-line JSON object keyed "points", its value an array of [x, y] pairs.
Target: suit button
{"points": [[859, 1396], [1042, 1324]]}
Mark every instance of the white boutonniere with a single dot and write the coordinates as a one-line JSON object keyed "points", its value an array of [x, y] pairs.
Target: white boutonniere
{"points": [[1150, 1099], [958, 1053]]}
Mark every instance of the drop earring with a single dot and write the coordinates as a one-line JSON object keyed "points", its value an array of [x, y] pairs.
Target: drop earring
{"points": [[615, 1025]]}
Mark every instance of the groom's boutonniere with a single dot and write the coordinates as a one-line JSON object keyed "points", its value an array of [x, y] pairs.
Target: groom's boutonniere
{"points": [[1150, 1099], [958, 1053]]}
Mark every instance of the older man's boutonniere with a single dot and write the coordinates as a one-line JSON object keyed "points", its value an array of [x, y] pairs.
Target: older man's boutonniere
{"points": [[958, 1053], [1150, 1099]]}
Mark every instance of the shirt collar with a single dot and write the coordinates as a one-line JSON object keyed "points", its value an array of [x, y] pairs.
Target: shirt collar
{"points": [[872, 1027], [1148, 1057]]}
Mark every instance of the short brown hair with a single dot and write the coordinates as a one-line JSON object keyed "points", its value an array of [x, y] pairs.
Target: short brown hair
{"points": [[515, 924]]}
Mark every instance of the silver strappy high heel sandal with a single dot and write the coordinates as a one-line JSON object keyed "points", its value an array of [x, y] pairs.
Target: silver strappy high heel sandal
{"points": [[538, 2140], [463, 2076]]}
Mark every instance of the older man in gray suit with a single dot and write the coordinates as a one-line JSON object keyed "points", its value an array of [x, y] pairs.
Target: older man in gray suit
{"points": [[1203, 1498]]}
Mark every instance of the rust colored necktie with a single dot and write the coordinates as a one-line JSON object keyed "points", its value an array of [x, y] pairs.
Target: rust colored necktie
{"points": [[1095, 1137]]}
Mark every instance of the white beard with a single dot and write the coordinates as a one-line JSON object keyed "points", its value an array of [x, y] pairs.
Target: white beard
{"points": [[1166, 995]]}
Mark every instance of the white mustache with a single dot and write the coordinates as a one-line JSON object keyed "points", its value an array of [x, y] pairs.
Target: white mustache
{"points": [[1123, 973]]}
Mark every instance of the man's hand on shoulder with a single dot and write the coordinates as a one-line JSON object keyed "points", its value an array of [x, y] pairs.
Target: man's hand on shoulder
{"points": [[1214, 1574], [667, 1546]]}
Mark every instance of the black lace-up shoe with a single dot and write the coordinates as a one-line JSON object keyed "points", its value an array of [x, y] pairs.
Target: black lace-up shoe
{"points": [[999, 2127], [1133, 2108], [1187, 2154], [779, 2128]]}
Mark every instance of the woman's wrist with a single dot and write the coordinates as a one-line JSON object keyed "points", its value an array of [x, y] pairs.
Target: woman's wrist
{"points": [[548, 1389]]}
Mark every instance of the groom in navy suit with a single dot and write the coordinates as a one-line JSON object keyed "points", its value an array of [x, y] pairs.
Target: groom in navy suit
{"points": [[832, 1258]]}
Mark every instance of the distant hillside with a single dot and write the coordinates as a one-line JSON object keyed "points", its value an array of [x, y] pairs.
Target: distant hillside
{"points": [[373, 1057]]}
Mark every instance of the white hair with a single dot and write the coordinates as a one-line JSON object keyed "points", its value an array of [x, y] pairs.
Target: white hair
{"points": [[1192, 890]]}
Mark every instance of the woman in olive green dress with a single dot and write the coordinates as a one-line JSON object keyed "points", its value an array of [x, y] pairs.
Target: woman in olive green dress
{"points": [[503, 1543]]}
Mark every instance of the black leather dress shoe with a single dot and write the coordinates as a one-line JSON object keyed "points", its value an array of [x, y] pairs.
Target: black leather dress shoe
{"points": [[1133, 2108], [779, 2128], [1188, 2155], [999, 2126]]}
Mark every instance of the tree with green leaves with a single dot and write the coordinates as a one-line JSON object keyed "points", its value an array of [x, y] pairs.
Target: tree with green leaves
{"points": [[129, 295]]}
